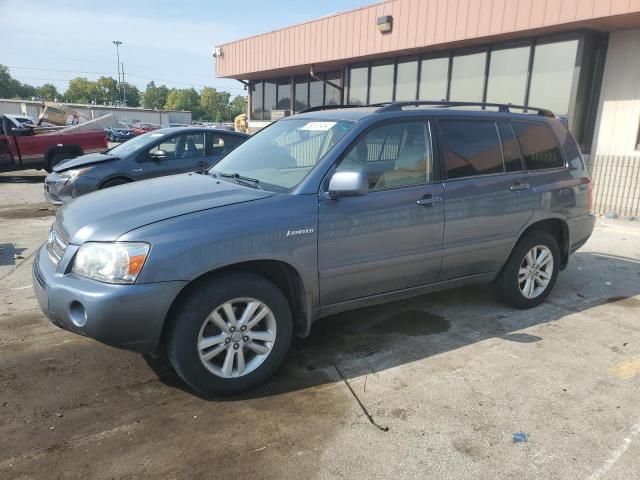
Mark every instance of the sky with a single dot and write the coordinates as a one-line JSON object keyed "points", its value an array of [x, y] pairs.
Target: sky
{"points": [[168, 41]]}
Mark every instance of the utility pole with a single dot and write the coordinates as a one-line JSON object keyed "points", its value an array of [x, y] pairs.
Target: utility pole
{"points": [[124, 87], [117, 43]]}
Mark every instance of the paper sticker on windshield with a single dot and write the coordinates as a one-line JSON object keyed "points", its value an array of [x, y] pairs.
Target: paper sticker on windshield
{"points": [[318, 126]]}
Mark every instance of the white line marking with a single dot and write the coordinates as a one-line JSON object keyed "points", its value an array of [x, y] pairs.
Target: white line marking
{"points": [[616, 454], [22, 288]]}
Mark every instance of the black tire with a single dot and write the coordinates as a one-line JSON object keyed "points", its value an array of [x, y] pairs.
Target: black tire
{"points": [[59, 158], [506, 286], [202, 300], [114, 183]]}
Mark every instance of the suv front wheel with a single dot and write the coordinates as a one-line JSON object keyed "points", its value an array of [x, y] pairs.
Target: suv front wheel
{"points": [[230, 334], [531, 271]]}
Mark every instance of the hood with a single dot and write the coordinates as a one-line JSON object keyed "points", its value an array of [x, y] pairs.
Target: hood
{"points": [[83, 161], [107, 214]]}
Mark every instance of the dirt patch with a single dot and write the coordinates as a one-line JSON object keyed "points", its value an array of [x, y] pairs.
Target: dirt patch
{"points": [[34, 210], [626, 302], [74, 408]]}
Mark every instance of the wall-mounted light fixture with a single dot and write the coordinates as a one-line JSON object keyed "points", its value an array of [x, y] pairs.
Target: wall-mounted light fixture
{"points": [[385, 23]]}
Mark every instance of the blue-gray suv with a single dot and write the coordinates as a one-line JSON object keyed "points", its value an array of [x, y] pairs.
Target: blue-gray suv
{"points": [[321, 212]]}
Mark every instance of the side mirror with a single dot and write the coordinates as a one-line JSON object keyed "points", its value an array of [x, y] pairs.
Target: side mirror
{"points": [[158, 155], [348, 184]]}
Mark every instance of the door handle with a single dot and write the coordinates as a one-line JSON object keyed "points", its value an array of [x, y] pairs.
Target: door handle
{"points": [[429, 201], [518, 187]]}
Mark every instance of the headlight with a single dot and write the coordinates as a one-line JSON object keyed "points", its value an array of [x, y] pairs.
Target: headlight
{"points": [[117, 262], [75, 173]]}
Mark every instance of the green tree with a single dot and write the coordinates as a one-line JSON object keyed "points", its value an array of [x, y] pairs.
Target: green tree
{"points": [[238, 105], [82, 90], [107, 90], [48, 91], [214, 104], [155, 97], [9, 86], [183, 99], [132, 94]]}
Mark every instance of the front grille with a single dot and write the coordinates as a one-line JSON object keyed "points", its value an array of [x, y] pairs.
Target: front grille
{"points": [[57, 242]]}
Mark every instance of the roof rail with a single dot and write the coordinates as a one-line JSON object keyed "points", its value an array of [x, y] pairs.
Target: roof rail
{"points": [[328, 107], [502, 107]]}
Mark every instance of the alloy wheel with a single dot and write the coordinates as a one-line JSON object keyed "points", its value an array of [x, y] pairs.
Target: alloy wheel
{"points": [[536, 271], [236, 337]]}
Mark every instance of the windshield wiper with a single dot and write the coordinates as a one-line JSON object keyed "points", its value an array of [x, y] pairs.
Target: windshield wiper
{"points": [[252, 182]]}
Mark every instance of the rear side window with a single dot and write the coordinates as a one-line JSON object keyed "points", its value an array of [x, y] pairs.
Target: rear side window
{"points": [[539, 146], [510, 150], [471, 148]]}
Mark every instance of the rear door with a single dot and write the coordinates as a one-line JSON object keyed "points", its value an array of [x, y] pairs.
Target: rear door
{"points": [[489, 195], [391, 238]]}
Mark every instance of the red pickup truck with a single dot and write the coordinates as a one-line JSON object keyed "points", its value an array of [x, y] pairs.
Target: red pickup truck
{"points": [[22, 148]]}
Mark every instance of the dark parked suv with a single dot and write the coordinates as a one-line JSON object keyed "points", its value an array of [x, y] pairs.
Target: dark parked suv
{"points": [[322, 212]]}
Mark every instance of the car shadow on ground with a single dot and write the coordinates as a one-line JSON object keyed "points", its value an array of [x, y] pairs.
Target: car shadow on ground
{"points": [[9, 254], [365, 341]]}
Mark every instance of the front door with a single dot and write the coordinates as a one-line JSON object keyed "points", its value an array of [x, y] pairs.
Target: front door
{"points": [[6, 157], [489, 196], [391, 238], [182, 153]]}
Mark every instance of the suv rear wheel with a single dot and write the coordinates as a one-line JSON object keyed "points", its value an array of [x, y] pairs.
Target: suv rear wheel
{"points": [[230, 334], [531, 271]]}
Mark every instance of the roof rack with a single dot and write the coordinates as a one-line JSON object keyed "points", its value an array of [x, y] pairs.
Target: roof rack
{"points": [[327, 107], [502, 107]]}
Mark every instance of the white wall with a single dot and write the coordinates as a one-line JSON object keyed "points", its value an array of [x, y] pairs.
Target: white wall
{"points": [[619, 109]]}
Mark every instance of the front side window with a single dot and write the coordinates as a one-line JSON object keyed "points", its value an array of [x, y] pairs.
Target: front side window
{"points": [[471, 148], [190, 145], [539, 146], [281, 156], [394, 155], [181, 146]]}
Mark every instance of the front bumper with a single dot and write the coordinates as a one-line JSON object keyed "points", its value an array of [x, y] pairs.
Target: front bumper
{"points": [[57, 189], [124, 316]]}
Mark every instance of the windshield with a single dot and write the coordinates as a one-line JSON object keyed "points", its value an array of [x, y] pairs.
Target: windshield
{"points": [[281, 155], [135, 143]]}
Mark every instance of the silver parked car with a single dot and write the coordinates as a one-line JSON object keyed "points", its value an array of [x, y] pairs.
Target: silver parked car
{"points": [[167, 151], [322, 212]]}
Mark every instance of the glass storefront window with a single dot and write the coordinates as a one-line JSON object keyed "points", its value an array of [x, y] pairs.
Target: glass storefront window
{"points": [[332, 94], [406, 80], [507, 82], [302, 93], [256, 101], [316, 93], [269, 98], [284, 94], [552, 75], [358, 77], [467, 77], [434, 74], [381, 89]]}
